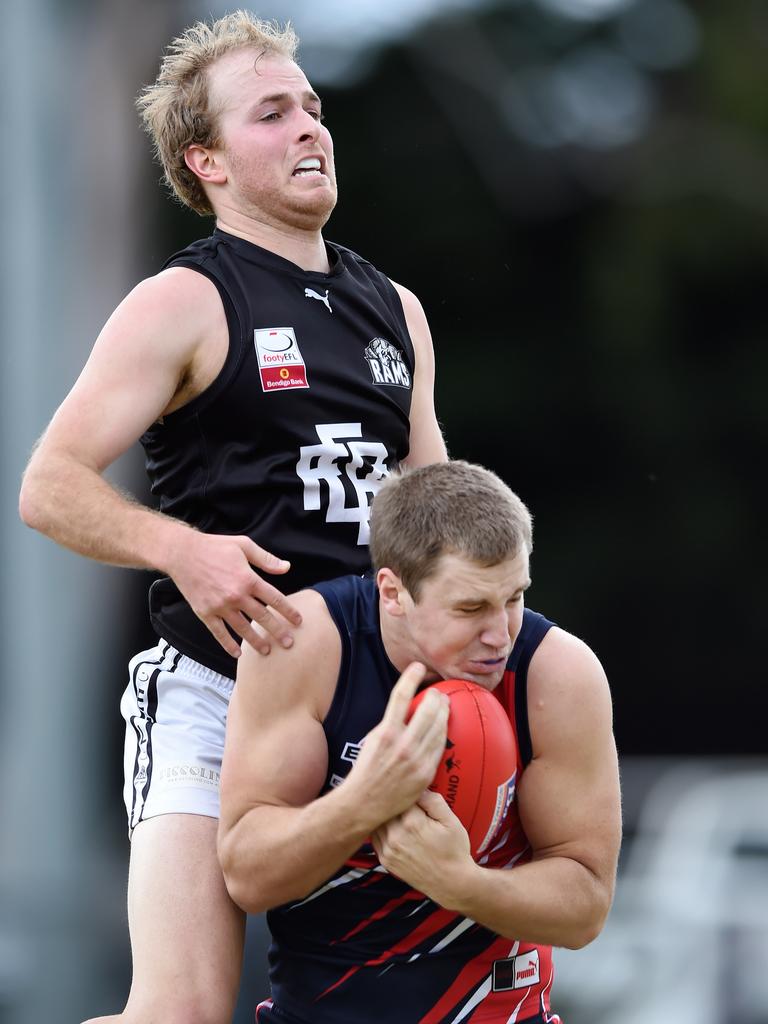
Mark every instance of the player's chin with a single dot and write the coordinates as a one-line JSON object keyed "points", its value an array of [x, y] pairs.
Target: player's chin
{"points": [[314, 208]]}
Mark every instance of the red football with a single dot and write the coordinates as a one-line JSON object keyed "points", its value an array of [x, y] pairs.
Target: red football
{"points": [[477, 775]]}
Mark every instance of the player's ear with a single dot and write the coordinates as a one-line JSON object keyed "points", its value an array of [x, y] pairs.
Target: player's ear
{"points": [[391, 592], [206, 164]]}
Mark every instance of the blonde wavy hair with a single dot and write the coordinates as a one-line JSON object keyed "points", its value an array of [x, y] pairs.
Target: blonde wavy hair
{"points": [[176, 109]]}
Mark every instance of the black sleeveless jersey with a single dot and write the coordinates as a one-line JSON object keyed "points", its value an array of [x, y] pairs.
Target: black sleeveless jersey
{"points": [[291, 441], [364, 946]]}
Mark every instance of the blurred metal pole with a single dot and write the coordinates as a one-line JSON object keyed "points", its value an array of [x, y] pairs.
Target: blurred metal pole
{"points": [[68, 80], [51, 601]]}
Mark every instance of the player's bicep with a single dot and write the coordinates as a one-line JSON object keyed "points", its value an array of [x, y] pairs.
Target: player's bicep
{"points": [[277, 758], [276, 752], [569, 794]]}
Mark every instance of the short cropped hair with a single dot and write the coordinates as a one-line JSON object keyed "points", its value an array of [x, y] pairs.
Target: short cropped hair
{"points": [[446, 508], [176, 110]]}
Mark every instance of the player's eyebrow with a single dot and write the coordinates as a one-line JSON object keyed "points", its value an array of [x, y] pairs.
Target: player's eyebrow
{"points": [[281, 97], [470, 602], [479, 602]]}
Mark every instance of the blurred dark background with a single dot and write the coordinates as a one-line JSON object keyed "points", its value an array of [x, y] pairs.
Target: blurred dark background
{"points": [[576, 191], [579, 203]]}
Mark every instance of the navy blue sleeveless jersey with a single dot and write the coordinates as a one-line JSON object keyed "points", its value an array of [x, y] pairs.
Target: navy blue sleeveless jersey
{"points": [[291, 441], [364, 946]]}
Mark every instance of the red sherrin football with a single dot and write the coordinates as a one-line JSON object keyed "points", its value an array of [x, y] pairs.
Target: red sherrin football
{"points": [[477, 774]]}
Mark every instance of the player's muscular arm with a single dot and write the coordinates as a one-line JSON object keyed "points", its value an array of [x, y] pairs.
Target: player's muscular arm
{"points": [[278, 841], [427, 444], [569, 805], [135, 373], [164, 343]]}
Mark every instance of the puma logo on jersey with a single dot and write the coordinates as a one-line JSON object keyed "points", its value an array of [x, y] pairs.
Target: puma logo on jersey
{"points": [[310, 293], [520, 971]]}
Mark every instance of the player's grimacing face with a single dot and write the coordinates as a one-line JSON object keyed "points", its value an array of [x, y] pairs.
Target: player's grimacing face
{"points": [[278, 154], [467, 617]]}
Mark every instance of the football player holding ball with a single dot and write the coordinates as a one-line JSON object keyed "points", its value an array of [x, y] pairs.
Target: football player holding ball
{"points": [[423, 791]]}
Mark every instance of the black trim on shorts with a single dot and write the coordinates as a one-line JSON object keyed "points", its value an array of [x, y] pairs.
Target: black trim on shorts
{"points": [[137, 731], [149, 715]]}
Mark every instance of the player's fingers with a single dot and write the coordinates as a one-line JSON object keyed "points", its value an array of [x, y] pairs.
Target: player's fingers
{"points": [[403, 693], [222, 634], [380, 835], [259, 640], [429, 722], [270, 595], [377, 840], [262, 558], [261, 616], [434, 805]]}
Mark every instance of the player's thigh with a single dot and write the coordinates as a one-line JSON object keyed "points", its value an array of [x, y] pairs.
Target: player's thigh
{"points": [[186, 933]]}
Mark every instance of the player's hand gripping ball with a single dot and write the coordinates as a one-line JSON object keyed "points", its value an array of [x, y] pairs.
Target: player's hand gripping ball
{"points": [[476, 776]]}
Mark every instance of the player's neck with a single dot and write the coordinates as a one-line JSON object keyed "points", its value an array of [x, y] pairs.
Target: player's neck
{"points": [[304, 248]]}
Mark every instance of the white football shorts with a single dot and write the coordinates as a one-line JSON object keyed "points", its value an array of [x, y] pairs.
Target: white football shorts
{"points": [[175, 712]]}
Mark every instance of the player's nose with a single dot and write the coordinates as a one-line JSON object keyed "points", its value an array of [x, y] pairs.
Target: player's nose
{"points": [[308, 126], [495, 632]]}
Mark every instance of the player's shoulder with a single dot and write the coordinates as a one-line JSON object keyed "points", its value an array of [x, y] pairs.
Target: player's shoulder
{"points": [[317, 630], [171, 293], [360, 266], [304, 673], [565, 673], [314, 610], [199, 251], [164, 320], [348, 255], [415, 316], [177, 304]]}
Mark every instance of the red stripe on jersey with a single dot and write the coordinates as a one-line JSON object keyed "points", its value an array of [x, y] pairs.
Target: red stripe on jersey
{"points": [[267, 1004], [381, 912], [472, 974], [433, 924], [342, 979], [368, 861]]}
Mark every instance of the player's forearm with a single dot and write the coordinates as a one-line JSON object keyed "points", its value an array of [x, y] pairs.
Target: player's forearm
{"points": [[74, 506], [275, 855], [554, 901]]}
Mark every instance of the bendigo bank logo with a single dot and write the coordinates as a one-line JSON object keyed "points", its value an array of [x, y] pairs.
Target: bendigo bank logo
{"points": [[280, 363], [387, 364]]}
